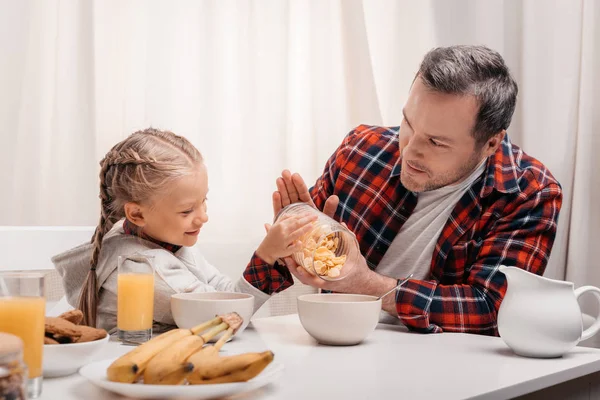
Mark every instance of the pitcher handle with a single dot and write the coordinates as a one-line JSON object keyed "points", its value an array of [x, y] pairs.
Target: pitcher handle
{"points": [[592, 330]]}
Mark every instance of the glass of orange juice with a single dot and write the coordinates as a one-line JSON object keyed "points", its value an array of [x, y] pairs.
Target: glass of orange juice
{"points": [[22, 311], [135, 298]]}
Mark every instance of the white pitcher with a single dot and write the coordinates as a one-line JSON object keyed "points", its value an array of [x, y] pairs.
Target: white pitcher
{"points": [[540, 317]]}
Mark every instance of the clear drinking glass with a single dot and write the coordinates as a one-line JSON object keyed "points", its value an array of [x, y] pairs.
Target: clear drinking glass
{"points": [[135, 298], [22, 312]]}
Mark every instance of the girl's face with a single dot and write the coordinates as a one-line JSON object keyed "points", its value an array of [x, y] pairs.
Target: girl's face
{"points": [[178, 216]]}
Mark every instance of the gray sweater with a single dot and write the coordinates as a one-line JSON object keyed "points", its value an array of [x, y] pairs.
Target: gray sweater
{"points": [[180, 272]]}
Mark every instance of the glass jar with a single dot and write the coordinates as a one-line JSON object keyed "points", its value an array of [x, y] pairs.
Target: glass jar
{"points": [[330, 250], [13, 372]]}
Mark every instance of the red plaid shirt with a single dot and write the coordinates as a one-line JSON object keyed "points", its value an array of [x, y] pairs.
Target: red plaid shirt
{"points": [[507, 217]]}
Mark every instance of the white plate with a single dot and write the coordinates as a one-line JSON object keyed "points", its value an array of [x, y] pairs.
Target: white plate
{"points": [[96, 373]]}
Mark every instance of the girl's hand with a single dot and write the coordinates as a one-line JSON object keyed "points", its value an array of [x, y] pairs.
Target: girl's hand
{"points": [[283, 237]]}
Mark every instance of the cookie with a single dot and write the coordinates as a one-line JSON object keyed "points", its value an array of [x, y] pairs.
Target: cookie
{"points": [[59, 327], [64, 339], [74, 316], [90, 334], [49, 340]]}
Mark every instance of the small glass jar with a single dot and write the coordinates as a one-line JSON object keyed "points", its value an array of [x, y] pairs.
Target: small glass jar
{"points": [[13, 372], [330, 250]]}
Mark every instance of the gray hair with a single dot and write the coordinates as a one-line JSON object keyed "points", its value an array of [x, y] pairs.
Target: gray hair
{"points": [[477, 71]]}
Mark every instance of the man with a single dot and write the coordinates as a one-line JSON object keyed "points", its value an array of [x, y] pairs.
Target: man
{"points": [[446, 196]]}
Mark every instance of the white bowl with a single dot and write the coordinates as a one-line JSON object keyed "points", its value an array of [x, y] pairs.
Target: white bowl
{"points": [[339, 319], [191, 309], [66, 359]]}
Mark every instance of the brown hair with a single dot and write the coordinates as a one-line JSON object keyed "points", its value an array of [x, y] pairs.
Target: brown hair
{"points": [[134, 170]]}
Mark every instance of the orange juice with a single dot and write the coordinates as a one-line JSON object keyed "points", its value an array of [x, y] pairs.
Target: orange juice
{"points": [[135, 301], [24, 317]]}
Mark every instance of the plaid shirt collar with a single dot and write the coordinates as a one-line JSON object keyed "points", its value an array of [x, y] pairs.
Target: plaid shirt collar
{"points": [[500, 171], [131, 229]]}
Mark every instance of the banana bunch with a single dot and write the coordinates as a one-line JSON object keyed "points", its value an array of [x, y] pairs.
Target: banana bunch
{"points": [[238, 368], [180, 355]]}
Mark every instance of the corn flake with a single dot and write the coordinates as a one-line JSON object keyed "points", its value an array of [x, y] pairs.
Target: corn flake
{"points": [[325, 262]]}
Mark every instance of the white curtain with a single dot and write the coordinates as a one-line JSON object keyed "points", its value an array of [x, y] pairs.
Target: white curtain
{"points": [[264, 85]]}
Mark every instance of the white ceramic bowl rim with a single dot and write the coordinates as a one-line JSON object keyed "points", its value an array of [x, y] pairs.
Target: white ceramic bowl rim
{"points": [[212, 296], [337, 298], [104, 339]]}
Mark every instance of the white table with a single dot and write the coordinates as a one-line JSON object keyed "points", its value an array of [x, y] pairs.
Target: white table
{"points": [[392, 363]]}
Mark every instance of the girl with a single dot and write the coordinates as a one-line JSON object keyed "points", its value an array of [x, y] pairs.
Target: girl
{"points": [[153, 188]]}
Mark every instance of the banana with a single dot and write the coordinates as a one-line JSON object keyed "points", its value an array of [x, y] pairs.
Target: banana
{"points": [[252, 364], [129, 367], [209, 351], [168, 367], [215, 367]]}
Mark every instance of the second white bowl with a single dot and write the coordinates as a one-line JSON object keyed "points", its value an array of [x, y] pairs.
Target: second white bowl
{"points": [[191, 309], [339, 319]]}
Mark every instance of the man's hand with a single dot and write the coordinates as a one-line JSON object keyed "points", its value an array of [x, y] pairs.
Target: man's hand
{"points": [[361, 280], [293, 189]]}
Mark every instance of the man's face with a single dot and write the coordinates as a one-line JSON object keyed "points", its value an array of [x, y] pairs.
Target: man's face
{"points": [[437, 146]]}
